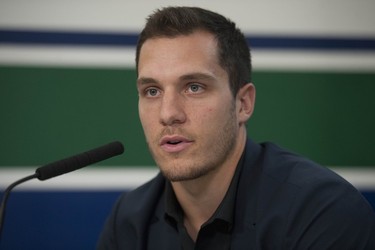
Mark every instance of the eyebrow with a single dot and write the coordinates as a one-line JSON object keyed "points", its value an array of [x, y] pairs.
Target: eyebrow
{"points": [[146, 80], [190, 76], [197, 76]]}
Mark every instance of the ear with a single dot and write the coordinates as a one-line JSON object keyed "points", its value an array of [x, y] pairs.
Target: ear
{"points": [[245, 102]]}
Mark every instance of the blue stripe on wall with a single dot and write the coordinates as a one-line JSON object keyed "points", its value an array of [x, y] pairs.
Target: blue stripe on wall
{"points": [[319, 43], [55, 220], [67, 38], [34, 37]]}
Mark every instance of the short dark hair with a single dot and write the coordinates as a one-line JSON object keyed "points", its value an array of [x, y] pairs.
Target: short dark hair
{"points": [[234, 52]]}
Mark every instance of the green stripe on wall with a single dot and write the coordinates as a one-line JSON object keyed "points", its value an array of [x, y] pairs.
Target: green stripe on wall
{"points": [[328, 117], [50, 113]]}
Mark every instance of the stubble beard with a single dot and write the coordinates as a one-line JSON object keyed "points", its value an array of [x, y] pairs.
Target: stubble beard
{"points": [[204, 161]]}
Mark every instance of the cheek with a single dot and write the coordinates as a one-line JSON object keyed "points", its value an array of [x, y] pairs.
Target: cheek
{"points": [[208, 116], [146, 118]]}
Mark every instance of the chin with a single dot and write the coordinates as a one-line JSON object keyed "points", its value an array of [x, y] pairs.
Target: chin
{"points": [[177, 172]]}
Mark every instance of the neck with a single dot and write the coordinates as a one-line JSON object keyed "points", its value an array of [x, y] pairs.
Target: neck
{"points": [[199, 198]]}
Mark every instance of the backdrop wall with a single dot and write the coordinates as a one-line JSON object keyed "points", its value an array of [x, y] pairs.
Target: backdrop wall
{"points": [[67, 84]]}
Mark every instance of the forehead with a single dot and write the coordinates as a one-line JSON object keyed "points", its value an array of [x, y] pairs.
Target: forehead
{"points": [[194, 52]]}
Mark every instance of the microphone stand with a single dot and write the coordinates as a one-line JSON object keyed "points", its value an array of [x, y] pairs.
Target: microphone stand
{"points": [[6, 195]]}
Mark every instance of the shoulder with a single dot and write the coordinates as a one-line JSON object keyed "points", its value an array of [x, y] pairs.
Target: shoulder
{"points": [[317, 206], [127, 224], [303, 177], [135, 202], [285, 166]]}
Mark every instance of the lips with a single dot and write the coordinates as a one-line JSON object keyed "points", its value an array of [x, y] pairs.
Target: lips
{"points": [[175, 143]]}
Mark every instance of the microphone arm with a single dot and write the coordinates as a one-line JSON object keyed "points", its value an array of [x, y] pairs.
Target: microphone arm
{"points": [[64, 166], [6, 195]]}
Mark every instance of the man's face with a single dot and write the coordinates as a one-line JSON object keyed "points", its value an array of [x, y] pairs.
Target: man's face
{"points": [[187, 111]]}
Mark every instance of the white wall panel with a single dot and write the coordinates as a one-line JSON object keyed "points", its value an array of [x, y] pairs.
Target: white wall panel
{"points": [[319, 17]]}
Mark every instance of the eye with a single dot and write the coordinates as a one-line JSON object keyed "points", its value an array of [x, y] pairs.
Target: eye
{"points": [[195, 88], [152, 92]]}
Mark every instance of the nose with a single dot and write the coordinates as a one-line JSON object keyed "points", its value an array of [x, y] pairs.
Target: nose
{"points": [[172, 110]]}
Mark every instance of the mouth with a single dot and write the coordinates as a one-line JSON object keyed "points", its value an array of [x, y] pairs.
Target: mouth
{"points": [[174, 144]]}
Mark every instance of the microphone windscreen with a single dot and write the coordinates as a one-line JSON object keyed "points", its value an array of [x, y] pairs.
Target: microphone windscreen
{"points": [[79, 161]]}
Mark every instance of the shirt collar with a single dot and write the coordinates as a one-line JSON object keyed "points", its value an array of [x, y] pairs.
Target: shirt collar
{"points": [[224, 213]]}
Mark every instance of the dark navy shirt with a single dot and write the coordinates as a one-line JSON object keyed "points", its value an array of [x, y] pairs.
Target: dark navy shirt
{"points": [[282, 201], [215, 233]]}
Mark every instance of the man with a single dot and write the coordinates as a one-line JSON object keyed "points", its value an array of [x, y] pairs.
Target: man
{"points": [[217, 189]]}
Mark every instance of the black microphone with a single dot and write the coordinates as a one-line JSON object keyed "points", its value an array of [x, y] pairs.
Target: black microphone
{"points": [[79, 161], [65, 166]]}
